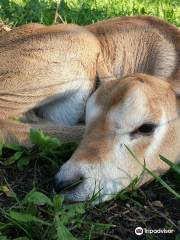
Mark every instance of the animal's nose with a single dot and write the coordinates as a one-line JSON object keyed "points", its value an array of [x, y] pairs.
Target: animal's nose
{"points": [[66, 185]]}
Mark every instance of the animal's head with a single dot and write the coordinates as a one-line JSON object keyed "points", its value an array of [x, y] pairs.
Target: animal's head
{"points": [[138, 112]]}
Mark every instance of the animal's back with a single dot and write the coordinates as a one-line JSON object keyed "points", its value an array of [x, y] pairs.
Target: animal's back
{"points": [[138, 44], [39, 64]]}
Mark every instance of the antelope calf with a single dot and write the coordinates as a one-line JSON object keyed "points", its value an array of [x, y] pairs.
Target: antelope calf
{"points": [[139, 112], [121, 75]]}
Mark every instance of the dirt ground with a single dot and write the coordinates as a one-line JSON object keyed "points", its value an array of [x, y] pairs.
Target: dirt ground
{"points": [[151, 207]]}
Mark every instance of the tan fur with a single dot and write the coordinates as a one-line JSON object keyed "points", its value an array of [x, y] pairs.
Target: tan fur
{"points": [[113, 95], [40, 64], [111, 167], [138, 44], [36, 68], [49, 73]]}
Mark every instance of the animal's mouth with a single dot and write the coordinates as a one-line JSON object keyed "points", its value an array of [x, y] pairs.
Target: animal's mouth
{"points": [[67, 186], [72, 185]]}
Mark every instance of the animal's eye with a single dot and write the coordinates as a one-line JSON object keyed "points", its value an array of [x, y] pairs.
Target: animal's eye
{"points": [[145, 129]]}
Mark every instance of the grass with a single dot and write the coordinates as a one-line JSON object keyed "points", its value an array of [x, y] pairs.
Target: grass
{"points": [[18, 12], [29, 210]]}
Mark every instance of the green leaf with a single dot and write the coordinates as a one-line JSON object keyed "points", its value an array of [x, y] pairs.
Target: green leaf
{"points": [[26, 218], [37, 137], [22, 163], [72, 211], [13, 159], [76, 208], [14, 147], [175, 167], [62, 232], [52, 144], [37, 198], [58, 201]]}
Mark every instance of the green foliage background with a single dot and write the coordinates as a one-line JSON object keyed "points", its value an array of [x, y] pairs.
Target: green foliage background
{"points": [[18, 12]]}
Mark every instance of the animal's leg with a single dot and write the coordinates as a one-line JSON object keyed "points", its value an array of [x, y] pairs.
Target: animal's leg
{"points": [[15, 132]]}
